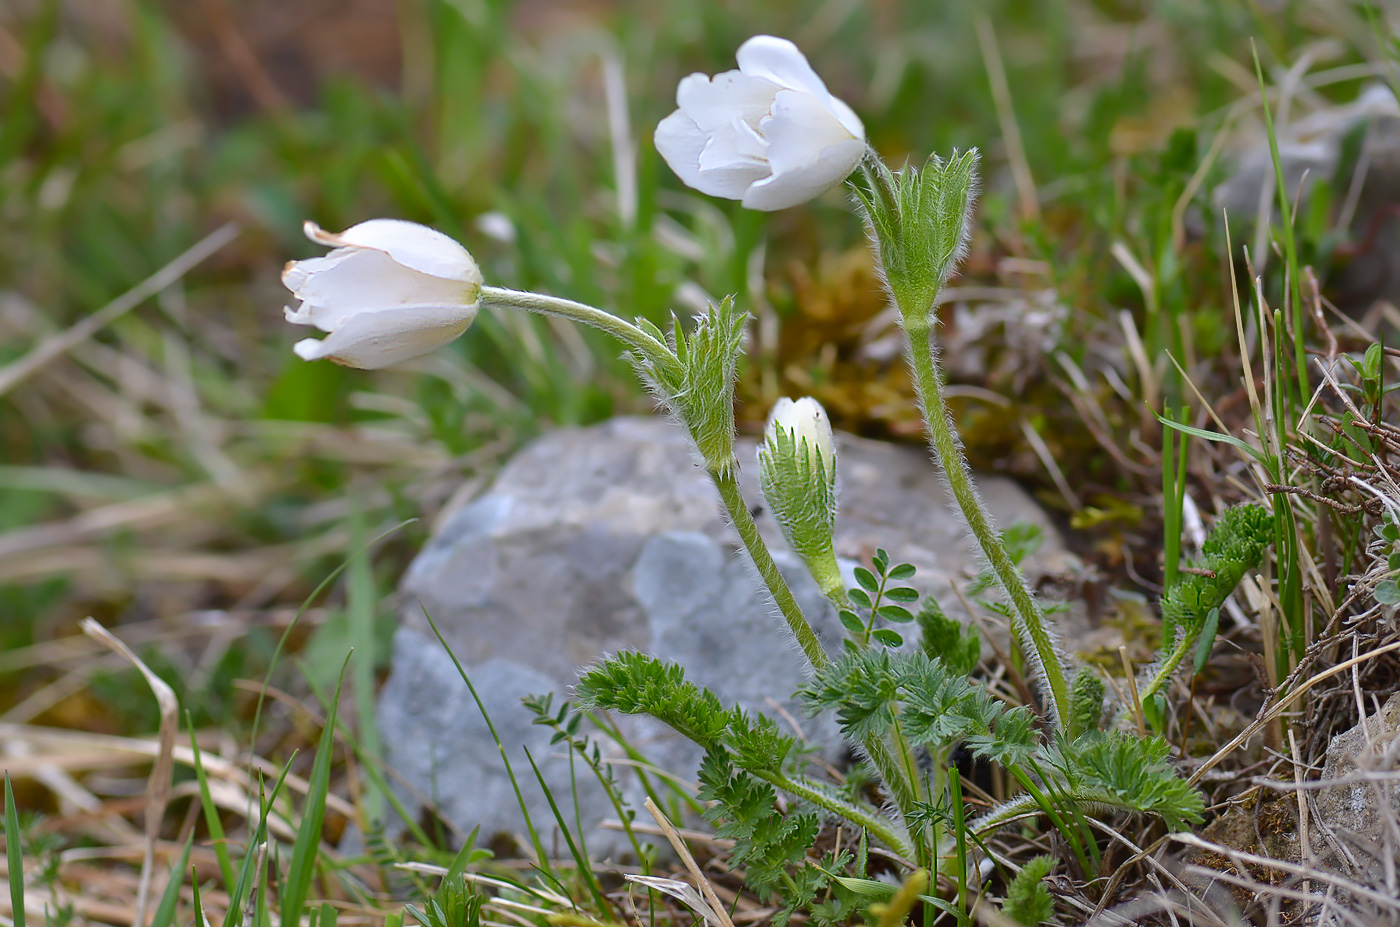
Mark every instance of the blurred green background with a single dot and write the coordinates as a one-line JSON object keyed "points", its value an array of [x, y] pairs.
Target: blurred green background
{"points": [[181, 473]]}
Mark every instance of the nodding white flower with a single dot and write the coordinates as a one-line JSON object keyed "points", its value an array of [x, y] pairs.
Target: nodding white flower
{"points": [[810, 428], [389, 292], [769, 134]]}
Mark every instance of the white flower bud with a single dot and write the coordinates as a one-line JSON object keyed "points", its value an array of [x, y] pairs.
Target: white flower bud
{"points": [[769, 134], [807, 420], [389, 292], [797, 473]]}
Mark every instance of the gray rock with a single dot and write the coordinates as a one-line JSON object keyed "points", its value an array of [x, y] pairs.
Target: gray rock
{"points": [[600, 539], [1358, 820]]}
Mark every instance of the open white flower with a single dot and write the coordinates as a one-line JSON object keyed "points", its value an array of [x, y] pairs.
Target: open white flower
{"points": [[389, 292], [769, 134]]}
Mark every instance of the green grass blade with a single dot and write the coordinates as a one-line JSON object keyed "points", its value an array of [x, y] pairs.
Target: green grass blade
{"points": [[960, 834], [1216, 436], [165, 911], [463, 859], [362, 598], [302, 869], [234, 915], [211, 810], [1171, 509], [585, 868], [535, 841], [1290, 245], [15, 855], [199, 919], [291, 625], [372, 766]]}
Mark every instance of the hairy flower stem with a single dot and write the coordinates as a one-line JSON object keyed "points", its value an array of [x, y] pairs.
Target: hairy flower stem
{"points": [[1168, 665], [733, 499], [813, 792], [903, 789], [1027, 620], [624, 331]]}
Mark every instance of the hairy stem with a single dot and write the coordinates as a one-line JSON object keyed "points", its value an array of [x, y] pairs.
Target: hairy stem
{"points": [[902, 789], [886, 830], [1027, 621], [644, 343], [1168, 665], [733, 499]]}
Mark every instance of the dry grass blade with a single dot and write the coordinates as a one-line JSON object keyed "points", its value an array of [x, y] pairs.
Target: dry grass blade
{"points": [[79, 750], [1026, 196], [683, 852], [1272, 712], [681, 891], [158, 786], [1307, 873], [60, 344]]}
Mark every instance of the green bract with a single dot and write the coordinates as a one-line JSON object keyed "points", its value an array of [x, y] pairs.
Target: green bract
{"points": [[919, 221], [797, 473], [699, 386]]}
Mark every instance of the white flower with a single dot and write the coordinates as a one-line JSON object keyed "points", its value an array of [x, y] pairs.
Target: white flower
{"points": [[810, 428], [390, 291], [768, 134]]}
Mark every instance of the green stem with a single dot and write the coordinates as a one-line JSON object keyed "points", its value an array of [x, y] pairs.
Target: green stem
{"points": [[901, 789], [1168, 666], [822, 797], [1027, 620], [648, 345], [733, 499], [959, 834]]}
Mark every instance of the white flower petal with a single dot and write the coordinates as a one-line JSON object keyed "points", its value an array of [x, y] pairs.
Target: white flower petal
{"points": [[682, 143], [737, 146], [779, 61], [412, 245], [769, 134], [809, 151], [846, 116], [800, 128], [716, 102], [801, 184], [370, 340], [807, 421], [296, 273], [349, 281]]}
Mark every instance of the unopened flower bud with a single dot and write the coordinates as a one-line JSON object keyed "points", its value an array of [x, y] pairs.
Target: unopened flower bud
{"points": [[797, 472]]}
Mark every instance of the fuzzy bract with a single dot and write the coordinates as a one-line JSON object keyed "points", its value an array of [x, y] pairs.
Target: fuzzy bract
{"points": [[797, 473]]}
